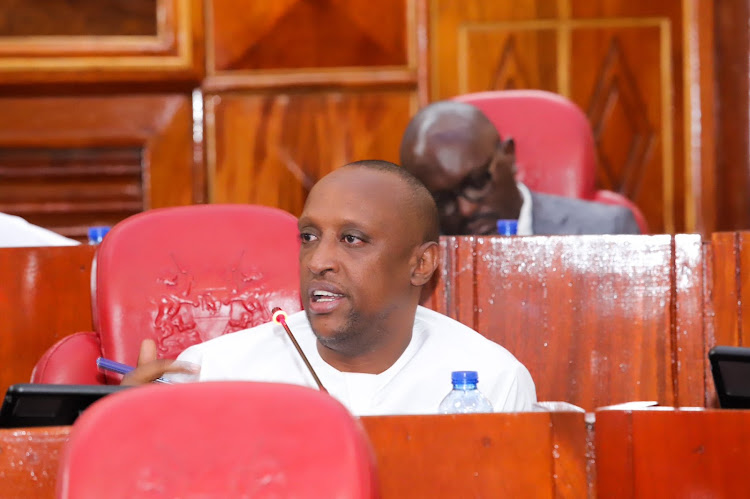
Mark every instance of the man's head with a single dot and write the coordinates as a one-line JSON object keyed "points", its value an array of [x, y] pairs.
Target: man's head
{"points": [[369, 235], [458, 154]]}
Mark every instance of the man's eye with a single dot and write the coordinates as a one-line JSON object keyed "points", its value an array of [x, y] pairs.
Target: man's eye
{"points": [[480, 180], [306, 237], [350, 239]]}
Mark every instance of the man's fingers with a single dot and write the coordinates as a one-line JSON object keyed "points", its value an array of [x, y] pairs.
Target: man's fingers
{"points": [[148, 352], [148, 372]]}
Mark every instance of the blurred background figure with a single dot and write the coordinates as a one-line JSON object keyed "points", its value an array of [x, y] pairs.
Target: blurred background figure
{"points": [[455, 150], [15, 232]]}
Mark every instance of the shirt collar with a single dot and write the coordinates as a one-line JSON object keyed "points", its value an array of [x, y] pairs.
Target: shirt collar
{"points": [[524, 227]]}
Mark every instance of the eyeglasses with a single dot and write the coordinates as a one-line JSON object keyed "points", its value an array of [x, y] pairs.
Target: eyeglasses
{"points": [[474, 187]]}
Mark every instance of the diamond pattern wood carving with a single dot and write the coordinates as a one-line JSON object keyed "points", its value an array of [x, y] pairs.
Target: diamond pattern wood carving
{"points": [[616, 98], [286, 34]]}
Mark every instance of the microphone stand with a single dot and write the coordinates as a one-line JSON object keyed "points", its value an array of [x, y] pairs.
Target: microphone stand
{"points": [[279, 316]]}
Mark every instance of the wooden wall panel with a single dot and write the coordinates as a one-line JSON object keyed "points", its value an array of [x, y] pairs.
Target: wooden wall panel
{"points": [[67, 169], [78, 18], [45, 295], [625, 107], [294, 34], [271, 148], [621, 62], [732, 120], [589, 317], [81, 41], [299, 43]]}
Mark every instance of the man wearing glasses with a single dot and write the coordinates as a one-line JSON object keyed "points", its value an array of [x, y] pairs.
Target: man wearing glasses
{"points": [[455, 150]]}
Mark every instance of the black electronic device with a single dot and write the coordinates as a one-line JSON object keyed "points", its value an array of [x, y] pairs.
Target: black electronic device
{"points": [[730, 367], [35, 404]]}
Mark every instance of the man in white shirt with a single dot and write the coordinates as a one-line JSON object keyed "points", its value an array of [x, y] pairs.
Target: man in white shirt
{"points": [[369, 234], [456, 151]]}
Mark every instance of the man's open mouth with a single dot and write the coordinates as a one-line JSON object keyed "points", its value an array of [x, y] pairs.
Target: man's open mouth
{"points": [[320, 296]]}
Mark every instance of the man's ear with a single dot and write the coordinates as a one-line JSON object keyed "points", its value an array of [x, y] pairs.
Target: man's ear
{"points": [[507, 157], [426, 263], [508, 146]]}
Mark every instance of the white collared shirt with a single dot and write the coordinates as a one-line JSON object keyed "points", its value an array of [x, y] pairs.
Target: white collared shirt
{"points": [[525, 217], [415, 384]]}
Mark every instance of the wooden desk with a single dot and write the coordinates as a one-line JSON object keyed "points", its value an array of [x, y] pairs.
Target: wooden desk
{"points": [[44, 296], [28, 461], [663, 453], [485, 455], [597, 320]]}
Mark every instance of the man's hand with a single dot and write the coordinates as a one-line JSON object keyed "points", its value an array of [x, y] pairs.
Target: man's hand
{"points": [[149, 367]]}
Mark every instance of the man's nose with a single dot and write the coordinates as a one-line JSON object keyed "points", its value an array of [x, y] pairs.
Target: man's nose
{"points": [[322, 258], [465, 207]]}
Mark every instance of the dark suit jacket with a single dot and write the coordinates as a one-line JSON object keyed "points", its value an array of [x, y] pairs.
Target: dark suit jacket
{"points": [[560, 215]]}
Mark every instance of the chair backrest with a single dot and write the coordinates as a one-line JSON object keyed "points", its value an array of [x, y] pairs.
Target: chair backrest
{"points": [[555, 150], [219, 439], [187, 274]]}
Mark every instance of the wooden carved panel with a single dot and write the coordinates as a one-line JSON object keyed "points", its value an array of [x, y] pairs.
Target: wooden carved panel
{"points": [[621, 62], [78, 18], [271, 148], [518, 58], [90, 41], [308, 34], [625, 105], [67, 170], [310, 42]]}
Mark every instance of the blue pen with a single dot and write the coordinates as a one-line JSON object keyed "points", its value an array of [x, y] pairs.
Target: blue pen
{"points": [[116, 367]]}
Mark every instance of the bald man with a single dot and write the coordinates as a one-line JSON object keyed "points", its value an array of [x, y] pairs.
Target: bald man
{"points": [[456, 151], [369, 234]]}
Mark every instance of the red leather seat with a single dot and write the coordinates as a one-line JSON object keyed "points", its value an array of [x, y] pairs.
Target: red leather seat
{"points": [[180, 276], [555, 151], [217, 439]]}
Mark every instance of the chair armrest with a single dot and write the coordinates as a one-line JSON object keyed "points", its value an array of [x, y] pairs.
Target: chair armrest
{"points": [[72, 360]]}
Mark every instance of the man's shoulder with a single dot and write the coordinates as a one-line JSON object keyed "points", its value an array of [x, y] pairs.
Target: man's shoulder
{"points": [[562, 215]]}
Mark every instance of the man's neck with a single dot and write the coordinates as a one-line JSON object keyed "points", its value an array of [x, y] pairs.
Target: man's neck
{"points": [[388, 344]]}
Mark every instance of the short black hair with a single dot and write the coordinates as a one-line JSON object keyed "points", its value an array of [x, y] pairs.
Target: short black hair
{"points": [[423, 201]]}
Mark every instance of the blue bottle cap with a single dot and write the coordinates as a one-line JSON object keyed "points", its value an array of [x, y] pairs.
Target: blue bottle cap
{"points": [[507, 227], [97, 233], [464, 377]]}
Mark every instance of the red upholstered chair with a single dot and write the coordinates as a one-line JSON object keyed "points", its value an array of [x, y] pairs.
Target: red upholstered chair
{"points": [[180, 276], [217, 439], [555, 151]]}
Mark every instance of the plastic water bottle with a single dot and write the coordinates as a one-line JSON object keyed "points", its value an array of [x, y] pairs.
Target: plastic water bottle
{"points": [[507, 227], [97, 233], [464, 398]]}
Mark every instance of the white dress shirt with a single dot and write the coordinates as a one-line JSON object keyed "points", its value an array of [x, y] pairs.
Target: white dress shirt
{"points": [[415, 384]]}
